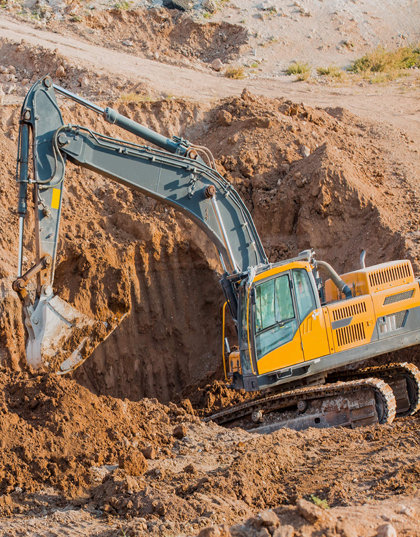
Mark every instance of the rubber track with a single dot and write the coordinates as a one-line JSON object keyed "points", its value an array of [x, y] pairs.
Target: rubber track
{"points": [[409, 369], [288, 399]]}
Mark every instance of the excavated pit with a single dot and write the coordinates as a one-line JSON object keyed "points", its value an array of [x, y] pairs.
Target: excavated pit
{"points": [[121, 252]]}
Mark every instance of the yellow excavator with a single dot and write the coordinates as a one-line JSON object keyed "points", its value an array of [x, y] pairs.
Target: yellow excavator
{"points": [[301, 338]]}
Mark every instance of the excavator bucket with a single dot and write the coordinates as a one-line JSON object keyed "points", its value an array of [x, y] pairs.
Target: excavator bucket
{"points": [[60, 337]]}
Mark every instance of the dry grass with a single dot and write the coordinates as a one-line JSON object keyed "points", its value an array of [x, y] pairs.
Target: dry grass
{"points": [[133, 98], [332, 71], [304, 76], [298, 68], [382, 60], [235, 72]]}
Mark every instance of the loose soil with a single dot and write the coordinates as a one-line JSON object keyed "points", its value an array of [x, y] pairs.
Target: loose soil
{"points": [[99, 452]]}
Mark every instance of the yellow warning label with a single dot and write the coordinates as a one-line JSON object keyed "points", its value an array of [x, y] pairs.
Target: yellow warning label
{"points": [[55, 202]]}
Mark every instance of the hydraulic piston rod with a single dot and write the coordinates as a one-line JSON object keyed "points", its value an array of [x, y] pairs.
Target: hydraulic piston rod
{"points": [[112, 116]]}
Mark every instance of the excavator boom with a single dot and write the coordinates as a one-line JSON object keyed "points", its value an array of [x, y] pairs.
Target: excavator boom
{"points": [[60, 338]]}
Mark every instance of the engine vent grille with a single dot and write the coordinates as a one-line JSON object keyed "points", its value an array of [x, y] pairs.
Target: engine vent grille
{"points": [[389, 274], [391, 299], [350, 334], [349, 311]]}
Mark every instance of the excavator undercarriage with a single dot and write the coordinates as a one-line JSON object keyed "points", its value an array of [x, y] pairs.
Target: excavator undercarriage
{"points": [[349, 399]]}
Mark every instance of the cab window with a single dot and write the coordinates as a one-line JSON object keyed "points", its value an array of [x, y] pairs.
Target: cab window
{"points": [[275, 319], [304, 294]]}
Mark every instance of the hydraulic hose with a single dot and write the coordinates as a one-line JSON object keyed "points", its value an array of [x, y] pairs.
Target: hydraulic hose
{"points": [[338, 282]]}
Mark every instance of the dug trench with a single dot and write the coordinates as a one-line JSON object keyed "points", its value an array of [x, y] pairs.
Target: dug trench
{"points": [[109, 439]]}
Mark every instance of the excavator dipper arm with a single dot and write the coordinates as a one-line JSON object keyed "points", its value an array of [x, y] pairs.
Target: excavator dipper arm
{"points": [[174, 174]]}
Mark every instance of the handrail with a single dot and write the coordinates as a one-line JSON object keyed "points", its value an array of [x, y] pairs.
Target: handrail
{"points": [[247, 330], [223, 339]]}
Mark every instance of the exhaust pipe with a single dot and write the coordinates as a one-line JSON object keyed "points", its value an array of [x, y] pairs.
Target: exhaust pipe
{"points": [[338, 282]]}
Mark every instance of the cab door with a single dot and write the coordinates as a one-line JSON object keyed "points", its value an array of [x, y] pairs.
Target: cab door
{"points": [[277, 336], [312, 328]]}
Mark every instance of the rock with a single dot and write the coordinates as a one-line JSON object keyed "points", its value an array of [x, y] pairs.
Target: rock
{"points": [[263, 122], [182, 5], [304, 151], [312, 513], [386, 530], [128, 43], [266, 5], [284, 168], [246, 95], [84, 82], [12, 69], [149, 452], [190, 469], [187, 406], [11, 89], [217, 64], [133, 462], [1, 94], [224, 117], [210, 6], [215, 531], [284, 531], [408, 511], [269, 518], [180, 431], [61, 72], [299, 180]]}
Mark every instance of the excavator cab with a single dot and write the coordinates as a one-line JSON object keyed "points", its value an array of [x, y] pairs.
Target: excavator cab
{"points": [[281, 321]]}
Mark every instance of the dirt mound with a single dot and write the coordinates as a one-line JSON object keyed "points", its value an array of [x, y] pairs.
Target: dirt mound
{"points": [[56, 432], [309, 520], [209, 396], [306, 173], [165, 35], [22, 65], [64, 448]]}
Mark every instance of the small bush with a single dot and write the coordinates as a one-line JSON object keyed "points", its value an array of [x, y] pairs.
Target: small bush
{"points": [[329, 71], [332, 71], [382, 60], [298, 68], [235, 72], [304, 76]]}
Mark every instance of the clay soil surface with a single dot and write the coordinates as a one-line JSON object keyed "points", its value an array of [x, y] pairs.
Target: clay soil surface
{"points": [[119, 447]]}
